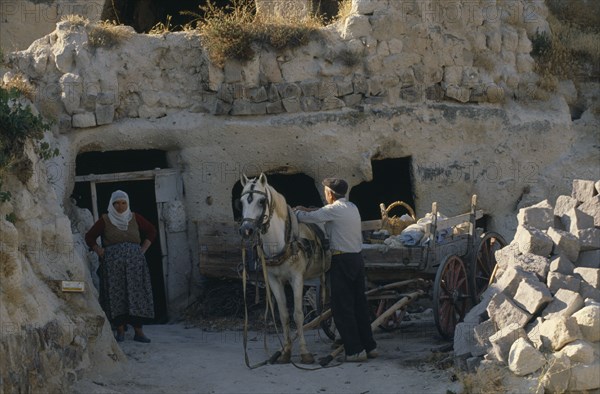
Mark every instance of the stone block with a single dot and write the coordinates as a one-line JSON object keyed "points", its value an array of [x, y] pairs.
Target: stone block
{"points": [[222, 107], [245, 107], [503, 339], [524, 359], [589, 238], [532, 240], [575, 219], [597, 186], [535, 264], [583, 190], [507, 255], [539, 216], [352, 100], [557, 281], [562, 265], [356, 26], [564, 204], [482, 333], [588, 291], [557, 374], [289, 90], [105, 114], [330, 103], [564, 243], [533, 332], [592, 208], [508, 282], [565, 303], [291, 104], [585, 377], [532, 295], [310, 104], [464, 340], [579, 351], [458, 93], [275, 107], [588, 319], [473, 363], [344, 88], [589, 259], [558, 332], [478, 313], [590, 275], [86, 119], [503, 312]]}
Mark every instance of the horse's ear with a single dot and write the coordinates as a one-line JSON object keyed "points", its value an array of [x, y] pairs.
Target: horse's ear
{"points": [[244, 180], [262, 179]]}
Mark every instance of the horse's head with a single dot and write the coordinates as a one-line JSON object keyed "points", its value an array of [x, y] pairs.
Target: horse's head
{"points": [[255, 205]]}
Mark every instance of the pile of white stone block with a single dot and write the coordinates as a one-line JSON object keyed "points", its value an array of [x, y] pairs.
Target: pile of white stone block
{"points": [[540, 319]]}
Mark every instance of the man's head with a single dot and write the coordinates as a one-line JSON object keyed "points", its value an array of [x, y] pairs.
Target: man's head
{"points": [[336, 187]]}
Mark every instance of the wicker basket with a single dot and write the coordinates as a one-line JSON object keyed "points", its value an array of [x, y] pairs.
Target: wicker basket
{"points": [[394, 224]]}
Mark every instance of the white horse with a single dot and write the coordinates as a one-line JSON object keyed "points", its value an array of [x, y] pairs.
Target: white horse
{"points": [[293, 252]]}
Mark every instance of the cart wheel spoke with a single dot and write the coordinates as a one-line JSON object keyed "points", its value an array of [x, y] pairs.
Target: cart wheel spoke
{"points": [[451, 295], [484, 262]]}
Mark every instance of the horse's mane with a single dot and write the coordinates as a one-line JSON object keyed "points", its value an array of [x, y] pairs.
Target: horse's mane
{"points": [[279, 201]]}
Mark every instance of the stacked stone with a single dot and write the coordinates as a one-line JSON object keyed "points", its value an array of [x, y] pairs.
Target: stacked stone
{"points": [[541, 317]]}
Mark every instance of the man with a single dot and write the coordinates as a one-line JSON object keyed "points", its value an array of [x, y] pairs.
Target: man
{"points": [[348, 301]]}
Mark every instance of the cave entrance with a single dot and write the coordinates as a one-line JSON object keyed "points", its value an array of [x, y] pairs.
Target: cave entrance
{"points": [[392, 181], [298, 189], [139, 174]]}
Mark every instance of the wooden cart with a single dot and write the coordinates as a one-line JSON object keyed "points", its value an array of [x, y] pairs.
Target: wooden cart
{"points": [[458, 264]]}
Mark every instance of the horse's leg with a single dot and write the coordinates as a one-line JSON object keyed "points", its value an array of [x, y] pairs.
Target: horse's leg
{"points": [[297, 283], [277, 288]]}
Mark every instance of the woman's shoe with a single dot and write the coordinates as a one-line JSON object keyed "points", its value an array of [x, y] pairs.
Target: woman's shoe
{"points": [[141, 338]]}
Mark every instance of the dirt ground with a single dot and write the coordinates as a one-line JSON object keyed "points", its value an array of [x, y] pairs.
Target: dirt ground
{"points": [[205, 358]]}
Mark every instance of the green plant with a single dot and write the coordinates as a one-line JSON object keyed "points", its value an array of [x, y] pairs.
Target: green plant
{"points": [[235, 31], [11, 217], [18, 124], [349, 58]]}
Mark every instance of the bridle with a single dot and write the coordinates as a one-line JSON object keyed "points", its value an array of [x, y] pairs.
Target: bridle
{"points": [[263, 221]]}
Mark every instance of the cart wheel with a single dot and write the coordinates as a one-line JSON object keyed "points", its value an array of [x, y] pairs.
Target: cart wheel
{"points": [[451, 298], [327, 325], [380, 305], [484, 261]]}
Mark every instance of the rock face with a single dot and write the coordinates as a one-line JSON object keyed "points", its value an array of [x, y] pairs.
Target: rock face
{"points": [[49, 338], [559, 342]]}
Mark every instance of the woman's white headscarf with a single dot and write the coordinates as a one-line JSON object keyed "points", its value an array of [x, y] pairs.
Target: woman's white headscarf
{"points": [[120, 220]]}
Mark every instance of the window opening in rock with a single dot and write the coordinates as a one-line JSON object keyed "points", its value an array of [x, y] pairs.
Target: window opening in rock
{"points": [[142, 199], [298, 189], [142, 15], [392, 181]]}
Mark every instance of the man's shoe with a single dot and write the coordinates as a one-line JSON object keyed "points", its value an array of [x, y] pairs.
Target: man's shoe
{"points": [[357, 357], [141, 338], [120, 337], [373, 353]]}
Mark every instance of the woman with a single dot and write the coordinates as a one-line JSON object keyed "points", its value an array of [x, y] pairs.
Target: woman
{"points": [[125, 288]]}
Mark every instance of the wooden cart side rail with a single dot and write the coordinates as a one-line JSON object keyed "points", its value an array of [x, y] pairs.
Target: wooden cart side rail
{"points": [[454, 220], [372, 225]]}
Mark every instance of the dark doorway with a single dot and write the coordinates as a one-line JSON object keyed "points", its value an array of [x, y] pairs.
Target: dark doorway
{"points": [[120, 161], [392, 181], [142, 15], [298, 189], [142, 200]]}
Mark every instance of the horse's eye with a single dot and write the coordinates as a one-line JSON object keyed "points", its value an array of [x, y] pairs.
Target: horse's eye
{"points": [[262, 202]]}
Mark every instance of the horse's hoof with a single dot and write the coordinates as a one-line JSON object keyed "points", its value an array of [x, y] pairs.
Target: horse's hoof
{"points": [[285, 358], [307, 358]]}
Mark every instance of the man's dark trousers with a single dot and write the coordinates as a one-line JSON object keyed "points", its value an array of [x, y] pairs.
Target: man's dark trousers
{"points": [[349, 302]]}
